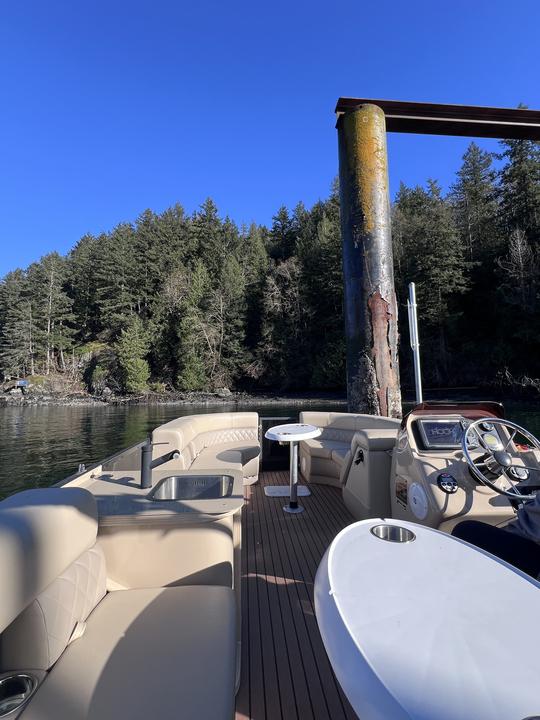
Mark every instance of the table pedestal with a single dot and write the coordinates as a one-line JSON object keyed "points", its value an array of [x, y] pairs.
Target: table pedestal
{"points": [[293, 506]]}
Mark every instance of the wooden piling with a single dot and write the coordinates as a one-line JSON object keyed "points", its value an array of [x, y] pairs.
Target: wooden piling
{"points": [[370, 300]]}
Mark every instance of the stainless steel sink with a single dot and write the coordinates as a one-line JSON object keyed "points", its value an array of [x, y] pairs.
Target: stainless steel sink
{"points": [[193, 487]]}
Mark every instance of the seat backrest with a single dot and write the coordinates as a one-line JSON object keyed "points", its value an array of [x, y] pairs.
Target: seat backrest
{"points": [[341, 427], [54, 573], [192, 433]]}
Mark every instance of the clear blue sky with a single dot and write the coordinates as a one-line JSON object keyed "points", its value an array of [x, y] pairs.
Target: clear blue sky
{"points": [[110, 107]]}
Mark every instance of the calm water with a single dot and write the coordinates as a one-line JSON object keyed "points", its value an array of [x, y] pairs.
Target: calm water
{"points": [[41, 445]]}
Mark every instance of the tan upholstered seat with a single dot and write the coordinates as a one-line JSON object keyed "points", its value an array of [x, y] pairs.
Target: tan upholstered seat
{"points": [[324, 448], [164, 653], [213, 441], [339, 454], [238, 455], [326, 459], [167, 652]]}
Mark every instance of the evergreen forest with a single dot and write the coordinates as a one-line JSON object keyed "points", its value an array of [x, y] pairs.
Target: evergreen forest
{"points": [[178, 302]]}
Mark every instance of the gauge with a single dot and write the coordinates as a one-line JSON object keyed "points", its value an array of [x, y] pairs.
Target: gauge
{"points": [[472, 439], [487, 426], [492, 441], [519, 473]]}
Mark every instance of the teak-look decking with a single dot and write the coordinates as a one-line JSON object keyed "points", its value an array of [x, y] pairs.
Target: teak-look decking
{"points": [[285, 671]]}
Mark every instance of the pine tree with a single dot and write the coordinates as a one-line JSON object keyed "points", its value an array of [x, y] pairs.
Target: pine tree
{"points": [[81, 286], [520, 188], [282, 239], [191, 291], [227, 314], [52, 311], [474, 201], [131, 349], [208, 232], [431, 255], [320, 254], [16, 326], [280, 357], [117, 289]]}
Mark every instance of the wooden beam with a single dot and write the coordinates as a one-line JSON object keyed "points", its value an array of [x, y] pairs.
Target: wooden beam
{"points": [[459, 120]]}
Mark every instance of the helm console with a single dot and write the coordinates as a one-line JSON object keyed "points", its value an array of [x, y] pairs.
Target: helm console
{"points": [[427, 475]]}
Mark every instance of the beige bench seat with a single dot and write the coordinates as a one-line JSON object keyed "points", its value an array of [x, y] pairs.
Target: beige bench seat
{"points": [[325, 448], [162, 653], [212, 441], [238, 455], [139, 653], [327, 458]]}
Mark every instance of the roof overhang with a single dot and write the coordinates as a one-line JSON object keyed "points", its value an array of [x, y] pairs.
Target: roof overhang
{"points": [[462, 120]]}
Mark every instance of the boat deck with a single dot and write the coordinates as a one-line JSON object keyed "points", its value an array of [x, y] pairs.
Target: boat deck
{"points": [[285, 671]]}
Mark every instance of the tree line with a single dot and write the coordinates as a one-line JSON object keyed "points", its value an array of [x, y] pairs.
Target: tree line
{"points": [[194, 302]]}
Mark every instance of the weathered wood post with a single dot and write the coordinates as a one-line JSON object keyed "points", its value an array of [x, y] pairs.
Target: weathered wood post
{"points": [[368, 270]]}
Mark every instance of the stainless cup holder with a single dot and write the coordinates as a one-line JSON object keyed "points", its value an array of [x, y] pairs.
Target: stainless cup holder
{"points": [[15, 690], [393, 533]]}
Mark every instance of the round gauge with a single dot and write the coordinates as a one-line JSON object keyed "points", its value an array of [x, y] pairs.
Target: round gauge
{"points": [[519, 473], [487, 426], [418, 501], [491, 441]]}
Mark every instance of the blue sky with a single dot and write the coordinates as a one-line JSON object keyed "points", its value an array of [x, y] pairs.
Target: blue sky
{"points": [[110, 107]]}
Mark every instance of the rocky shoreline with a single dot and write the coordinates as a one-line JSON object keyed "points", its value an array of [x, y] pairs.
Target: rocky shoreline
{"points": [[34, 398]]}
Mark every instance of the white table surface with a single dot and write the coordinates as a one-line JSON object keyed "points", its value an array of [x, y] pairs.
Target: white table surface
{"points": [[430, 629], [292, 432]]}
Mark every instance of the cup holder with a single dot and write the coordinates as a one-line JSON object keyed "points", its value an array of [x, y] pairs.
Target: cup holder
{"points": [[15, 690], [393, 533]]}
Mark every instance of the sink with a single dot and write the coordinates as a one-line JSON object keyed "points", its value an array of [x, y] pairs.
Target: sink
{"points": [[193, 487]]}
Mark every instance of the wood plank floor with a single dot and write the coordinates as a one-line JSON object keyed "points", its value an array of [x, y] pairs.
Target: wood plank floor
{"points": [[285, 671]]}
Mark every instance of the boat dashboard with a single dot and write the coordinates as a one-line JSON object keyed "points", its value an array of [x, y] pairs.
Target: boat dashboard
{"points": [[432, 480], [445, 433]]}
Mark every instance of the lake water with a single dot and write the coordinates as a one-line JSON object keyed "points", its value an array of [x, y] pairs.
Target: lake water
{"points": [[41, 445]]}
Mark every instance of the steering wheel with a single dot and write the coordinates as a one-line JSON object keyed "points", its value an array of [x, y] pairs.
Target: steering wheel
{"points": [[498, 457]]}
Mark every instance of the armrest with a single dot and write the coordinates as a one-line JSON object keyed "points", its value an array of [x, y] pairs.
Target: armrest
{"points": [[377, 439]]}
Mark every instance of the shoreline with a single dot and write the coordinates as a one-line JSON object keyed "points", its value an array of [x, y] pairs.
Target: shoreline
{"points": [[220, 399], [179, 399]]}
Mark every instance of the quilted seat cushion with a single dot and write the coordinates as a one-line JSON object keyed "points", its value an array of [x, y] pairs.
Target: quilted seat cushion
{"points": [[167, 653], [229, 435], [39, 635]]}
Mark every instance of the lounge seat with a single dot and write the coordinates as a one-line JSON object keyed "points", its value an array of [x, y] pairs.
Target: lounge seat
{"points": [[166, 652], [325, 448], [213, 441], [326, 459], [152, 653]]}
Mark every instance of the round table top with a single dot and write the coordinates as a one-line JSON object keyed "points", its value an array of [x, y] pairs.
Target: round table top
{"points": [[292, 432], [430, 628]]}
